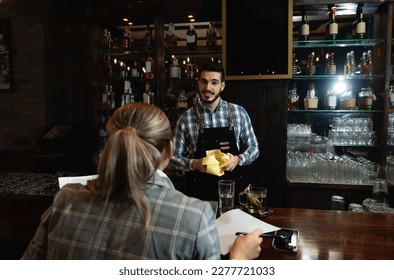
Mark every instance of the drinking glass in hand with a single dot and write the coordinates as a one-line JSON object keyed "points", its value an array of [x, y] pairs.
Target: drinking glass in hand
{"points": [[226, 190]]}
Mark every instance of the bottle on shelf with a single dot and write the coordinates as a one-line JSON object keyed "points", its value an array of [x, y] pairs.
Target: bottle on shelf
{"points": [[104, 98], [102, 133], [191, 38], [171, 39], [311, 100], [127, 96], [359, 25], [331, 68], [149, 69], [305, 27], [211, 36], [347, 100], [332, 25], [175, 70], [169, 102], [369, 63], [350, 64], [106, 41], [330, 100], [148, 95], [310, 66], [148, 39], [296, 69], [191, 69], [127, 39], [181, 102], [135, 70], [293, 99], [111, 99], [181, 106], [365, 99], [191, 94], [366, 65]]}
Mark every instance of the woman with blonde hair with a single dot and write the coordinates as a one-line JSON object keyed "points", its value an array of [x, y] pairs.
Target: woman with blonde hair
{"points": [[132, 210]]}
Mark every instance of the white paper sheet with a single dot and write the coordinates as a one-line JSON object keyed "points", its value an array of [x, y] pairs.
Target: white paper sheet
{"points": [[234, 221], [75, 179]]}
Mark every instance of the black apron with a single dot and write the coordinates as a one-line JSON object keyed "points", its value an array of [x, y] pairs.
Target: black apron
{"points": [[203, 185]]}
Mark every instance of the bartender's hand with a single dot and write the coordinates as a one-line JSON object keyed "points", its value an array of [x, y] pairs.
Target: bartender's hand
{"points": [[197, 165], [232, 162], [247, 247]]}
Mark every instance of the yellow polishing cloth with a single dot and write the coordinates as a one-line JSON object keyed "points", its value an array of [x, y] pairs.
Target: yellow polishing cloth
{"points": [[215, 161]]}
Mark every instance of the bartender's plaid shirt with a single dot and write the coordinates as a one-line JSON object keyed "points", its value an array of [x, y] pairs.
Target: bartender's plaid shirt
{"points": [[186, 133], [78, 226]]}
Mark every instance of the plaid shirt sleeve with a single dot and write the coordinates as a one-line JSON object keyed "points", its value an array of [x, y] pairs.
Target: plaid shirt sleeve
{"points": [[245, 133], [185, 141]]}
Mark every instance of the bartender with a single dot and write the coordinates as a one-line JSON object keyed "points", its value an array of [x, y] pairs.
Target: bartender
{"points": [[213, 123]]}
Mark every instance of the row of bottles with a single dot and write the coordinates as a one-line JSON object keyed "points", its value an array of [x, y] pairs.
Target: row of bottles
{"points": [[359, 26], [113, 69], [344, 100], [365, 67], [127, 42], [109, 68]]}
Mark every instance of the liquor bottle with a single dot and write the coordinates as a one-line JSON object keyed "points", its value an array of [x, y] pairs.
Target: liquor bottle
{"points": [[111, 98], [102, 134], [332, 25], [350, 64], [293, 99], [191, 69], [211, 36], [296, 69], [331, 68], [369, 63], [181, 103], [126, 39], [149, 73], [175, 70], [310, 66], [169, 102], [304, 30], [148, 95], [366, 98], [135, 71], [104, 98], [359, 25], [364, 64], [330, 100], [191, 38], [148, 39], [171, 39], [311, 100], [347, 100], [127, 96], [110, 40]]}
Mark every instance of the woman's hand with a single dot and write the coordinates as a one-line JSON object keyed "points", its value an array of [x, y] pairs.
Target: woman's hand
{"points": [[247, 247]]}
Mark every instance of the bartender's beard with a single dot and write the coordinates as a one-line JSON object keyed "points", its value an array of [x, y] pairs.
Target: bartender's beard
{"points": [[206, 96]]}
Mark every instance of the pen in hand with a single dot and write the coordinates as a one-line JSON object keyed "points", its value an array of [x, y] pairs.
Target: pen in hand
{"points": [[272, 235]]}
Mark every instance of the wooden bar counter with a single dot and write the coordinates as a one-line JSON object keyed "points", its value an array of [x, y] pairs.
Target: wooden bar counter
{"points": [[333, 235]]}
